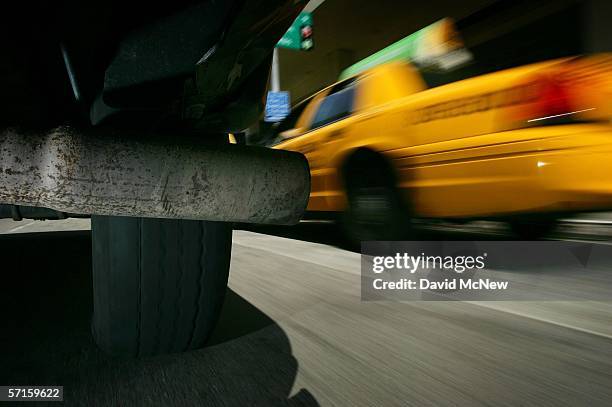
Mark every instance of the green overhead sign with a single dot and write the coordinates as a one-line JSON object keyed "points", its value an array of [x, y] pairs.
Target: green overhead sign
{"points": [[403, 49], [428, 46], [299, 35]]}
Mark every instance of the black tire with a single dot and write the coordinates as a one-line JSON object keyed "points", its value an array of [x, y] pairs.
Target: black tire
{"points": [[532, 229], [376, 209], [158, 284]]}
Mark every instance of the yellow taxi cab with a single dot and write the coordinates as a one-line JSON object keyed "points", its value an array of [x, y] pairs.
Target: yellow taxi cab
{"points": [[527, 145]]}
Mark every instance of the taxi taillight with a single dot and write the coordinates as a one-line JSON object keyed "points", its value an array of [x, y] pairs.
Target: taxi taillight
{"points": [[553, 99], [577, 90]]}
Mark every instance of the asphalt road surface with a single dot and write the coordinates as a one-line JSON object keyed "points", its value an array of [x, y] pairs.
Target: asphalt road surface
{"points": [[295, 332]]}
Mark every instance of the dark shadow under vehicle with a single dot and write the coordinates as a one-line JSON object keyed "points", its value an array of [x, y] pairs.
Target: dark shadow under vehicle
{"points": [[97, 100], [46, 305]]}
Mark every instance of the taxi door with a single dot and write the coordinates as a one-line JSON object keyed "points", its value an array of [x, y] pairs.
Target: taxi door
{"points": [[326, 129]]}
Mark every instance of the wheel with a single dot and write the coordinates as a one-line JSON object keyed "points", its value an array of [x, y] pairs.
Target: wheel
{"points": [[376, 210], [532, 229], [158, 284]]}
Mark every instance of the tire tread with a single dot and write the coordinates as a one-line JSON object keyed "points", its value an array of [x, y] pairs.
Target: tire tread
{"points": [[158, 284]]}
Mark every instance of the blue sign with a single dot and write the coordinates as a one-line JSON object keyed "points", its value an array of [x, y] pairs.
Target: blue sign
{"points": [[278, 106]]}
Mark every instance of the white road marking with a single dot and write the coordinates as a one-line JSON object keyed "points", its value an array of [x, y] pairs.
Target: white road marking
{"points": [[20, 227], [540, 319]]}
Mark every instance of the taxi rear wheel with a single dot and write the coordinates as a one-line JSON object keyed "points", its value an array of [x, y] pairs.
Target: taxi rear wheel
{"points": [[376, 210]]}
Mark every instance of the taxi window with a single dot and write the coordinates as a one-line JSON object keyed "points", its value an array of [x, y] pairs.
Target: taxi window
{"points": [[336, 106]]}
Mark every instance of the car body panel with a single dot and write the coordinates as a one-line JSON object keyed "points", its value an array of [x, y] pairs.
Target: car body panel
{"points": [[473, 148]]}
